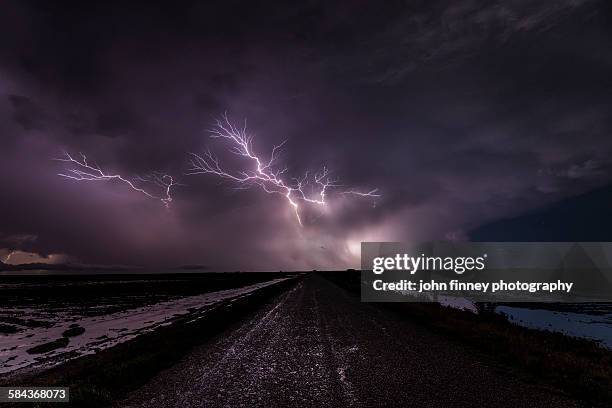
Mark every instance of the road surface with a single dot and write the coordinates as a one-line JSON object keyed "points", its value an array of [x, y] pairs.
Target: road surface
{"points": [[317, 345]]}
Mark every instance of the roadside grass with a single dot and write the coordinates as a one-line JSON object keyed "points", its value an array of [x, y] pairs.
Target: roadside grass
{"points": [[102, 379], [578, 367]]}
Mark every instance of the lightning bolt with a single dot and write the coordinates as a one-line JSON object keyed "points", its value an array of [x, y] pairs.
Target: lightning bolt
{"points": [[82, 170], [8, 257], [263, 172], [164, 181]]}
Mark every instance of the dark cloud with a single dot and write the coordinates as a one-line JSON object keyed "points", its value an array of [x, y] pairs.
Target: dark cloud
{"points": [[26, 113], [459, 114]]}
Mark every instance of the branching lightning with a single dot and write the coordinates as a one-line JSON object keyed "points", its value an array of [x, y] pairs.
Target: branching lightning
{"points": [[312, 188], [257, 171], [82, 170]]}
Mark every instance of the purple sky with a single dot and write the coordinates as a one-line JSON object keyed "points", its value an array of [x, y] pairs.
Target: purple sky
{"points": [[459, 113]]}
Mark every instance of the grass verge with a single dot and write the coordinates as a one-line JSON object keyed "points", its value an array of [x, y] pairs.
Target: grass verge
{"points": [[578, 367]]}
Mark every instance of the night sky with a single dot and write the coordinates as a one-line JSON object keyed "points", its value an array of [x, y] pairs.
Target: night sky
{"points": [[460, 114]]}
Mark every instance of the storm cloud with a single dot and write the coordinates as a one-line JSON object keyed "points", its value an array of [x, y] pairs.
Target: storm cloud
{"points": [[459, 115]]}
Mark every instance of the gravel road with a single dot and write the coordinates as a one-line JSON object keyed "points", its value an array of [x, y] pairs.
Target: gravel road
{"points": [[317, 345]]}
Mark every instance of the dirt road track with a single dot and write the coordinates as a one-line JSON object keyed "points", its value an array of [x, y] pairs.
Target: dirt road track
{"points": [[317, 345]]}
